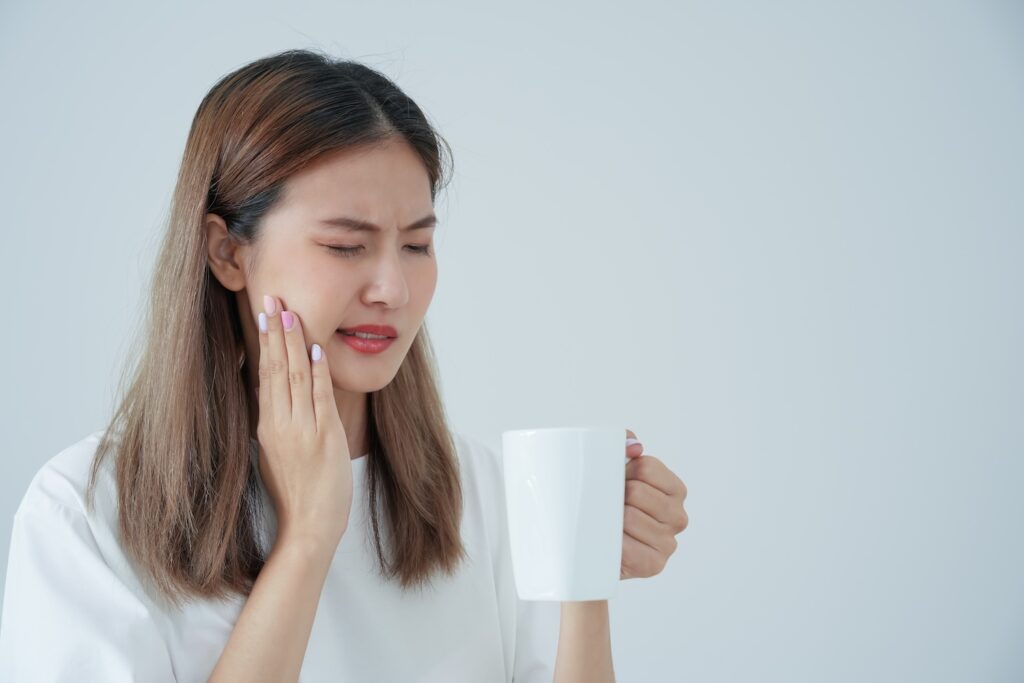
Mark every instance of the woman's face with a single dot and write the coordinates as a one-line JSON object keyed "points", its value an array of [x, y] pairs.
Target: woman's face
{"points": [[385, 279]]}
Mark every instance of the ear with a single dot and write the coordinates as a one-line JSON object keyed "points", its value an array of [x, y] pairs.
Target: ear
{"points": [[224, 255]]}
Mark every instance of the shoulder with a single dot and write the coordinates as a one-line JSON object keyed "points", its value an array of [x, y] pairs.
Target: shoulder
{"points": [[62, 541], [66, 575], [62, 480], [484, 488]]}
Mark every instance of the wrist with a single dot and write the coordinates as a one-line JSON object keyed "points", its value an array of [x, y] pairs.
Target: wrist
{"points": [[304, 546]]}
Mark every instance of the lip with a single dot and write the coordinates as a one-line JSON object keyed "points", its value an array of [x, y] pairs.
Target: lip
{"points": [[365, 345], [385, 330]]}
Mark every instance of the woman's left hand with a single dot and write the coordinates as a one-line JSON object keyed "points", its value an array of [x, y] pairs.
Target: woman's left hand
{"points": [[654, 514]]}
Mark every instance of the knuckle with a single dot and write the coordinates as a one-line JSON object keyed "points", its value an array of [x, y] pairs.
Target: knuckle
{"points": [[650, 465], [275, 365], [640, 466], [296, 377]]}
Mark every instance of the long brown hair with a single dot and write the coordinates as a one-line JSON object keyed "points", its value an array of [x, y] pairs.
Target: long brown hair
{"points": [[189, 504]]}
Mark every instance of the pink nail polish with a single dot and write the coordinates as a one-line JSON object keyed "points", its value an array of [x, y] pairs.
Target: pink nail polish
{"points": [[287, 319]]}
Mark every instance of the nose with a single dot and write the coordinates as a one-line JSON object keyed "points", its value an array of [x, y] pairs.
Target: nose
{"points": [[389, 283]]}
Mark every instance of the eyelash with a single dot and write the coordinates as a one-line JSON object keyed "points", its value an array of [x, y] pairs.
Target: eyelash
{"points": [[351, 251]]}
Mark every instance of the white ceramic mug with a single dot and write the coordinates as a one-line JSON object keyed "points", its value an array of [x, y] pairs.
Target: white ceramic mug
{"points": [[565, 490]]}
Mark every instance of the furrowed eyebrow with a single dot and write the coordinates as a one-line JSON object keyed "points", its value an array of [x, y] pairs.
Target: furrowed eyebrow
{"points": [[354, 224]]}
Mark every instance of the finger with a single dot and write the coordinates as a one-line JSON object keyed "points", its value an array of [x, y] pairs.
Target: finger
{"points": [[633, 445], [298, 369], [265, 396], [655, 503], [640, 559], [277, 363], [645, 528], [653, 471], [324, 407]]}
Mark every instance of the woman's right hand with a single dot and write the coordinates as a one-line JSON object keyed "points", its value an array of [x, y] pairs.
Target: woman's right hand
{"points": [[304, 457]]}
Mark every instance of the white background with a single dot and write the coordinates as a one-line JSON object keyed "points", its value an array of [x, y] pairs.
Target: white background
{"points": [[783, 242]]}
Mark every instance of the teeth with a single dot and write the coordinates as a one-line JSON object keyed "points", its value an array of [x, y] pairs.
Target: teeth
{"points": [[364, 335]]}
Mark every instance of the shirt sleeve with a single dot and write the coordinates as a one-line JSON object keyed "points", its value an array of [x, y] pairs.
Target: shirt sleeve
{"points": [[537, 624], [67, 616]]}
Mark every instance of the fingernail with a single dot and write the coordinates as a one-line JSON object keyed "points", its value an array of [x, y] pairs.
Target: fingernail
{"points": [[288, 319], [316, 352], [268, 304], [263, 321], [631, 442]]}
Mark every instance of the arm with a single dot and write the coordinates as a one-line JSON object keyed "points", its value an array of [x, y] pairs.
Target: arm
{"points": [[584, 643], [269, 639]]}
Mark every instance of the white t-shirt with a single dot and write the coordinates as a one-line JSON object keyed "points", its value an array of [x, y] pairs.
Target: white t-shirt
{"points": [[75, 610]]}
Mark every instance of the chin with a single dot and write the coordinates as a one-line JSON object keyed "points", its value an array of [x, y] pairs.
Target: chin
{"points": [[363, 380]]}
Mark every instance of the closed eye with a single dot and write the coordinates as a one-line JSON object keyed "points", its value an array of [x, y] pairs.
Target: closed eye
{"points": [[423, 249]]}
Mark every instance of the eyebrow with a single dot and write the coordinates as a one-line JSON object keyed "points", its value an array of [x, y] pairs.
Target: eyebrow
{"points": [[346, 223]]}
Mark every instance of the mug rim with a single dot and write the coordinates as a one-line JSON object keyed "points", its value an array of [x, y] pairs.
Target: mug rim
{"points": [[586, 428]]}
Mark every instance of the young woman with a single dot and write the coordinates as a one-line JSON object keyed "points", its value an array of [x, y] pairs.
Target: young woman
{"points": [[278, 493]]}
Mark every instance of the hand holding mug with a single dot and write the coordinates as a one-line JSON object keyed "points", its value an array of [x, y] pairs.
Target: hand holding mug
{"points": [[654, 513]]}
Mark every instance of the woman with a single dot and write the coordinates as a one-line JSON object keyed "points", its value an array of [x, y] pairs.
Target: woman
{"points": [[218, 529]]}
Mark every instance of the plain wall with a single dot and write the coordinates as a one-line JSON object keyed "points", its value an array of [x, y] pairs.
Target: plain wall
{"points": [[782, 242]]}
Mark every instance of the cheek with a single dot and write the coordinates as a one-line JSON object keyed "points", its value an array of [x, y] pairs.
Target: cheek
{"points": [[328, 283], [317, 291], [428, 286], [430, 276]]}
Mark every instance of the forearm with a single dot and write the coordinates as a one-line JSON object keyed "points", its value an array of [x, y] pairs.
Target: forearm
{"points": [[269, 639], [584, 643]]}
